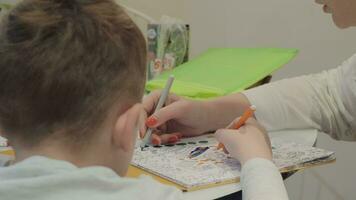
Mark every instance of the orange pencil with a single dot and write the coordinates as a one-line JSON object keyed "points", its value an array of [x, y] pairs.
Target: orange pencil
{"points": [[247, 114]]}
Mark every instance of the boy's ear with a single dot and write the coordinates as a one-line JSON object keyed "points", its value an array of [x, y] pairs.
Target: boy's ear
{"points": [[124, 135]]}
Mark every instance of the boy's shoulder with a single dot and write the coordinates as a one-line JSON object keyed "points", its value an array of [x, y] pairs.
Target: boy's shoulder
{"points": [[61, 179]]}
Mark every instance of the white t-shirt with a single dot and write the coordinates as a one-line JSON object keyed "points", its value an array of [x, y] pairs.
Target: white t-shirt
{"points": [[41, 178]]}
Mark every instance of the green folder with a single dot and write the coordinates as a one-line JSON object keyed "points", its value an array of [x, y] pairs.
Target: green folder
{"points": [[222, 71]]}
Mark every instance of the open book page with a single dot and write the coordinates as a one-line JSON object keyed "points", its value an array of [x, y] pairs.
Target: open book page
{"points": [[292, 154], [211, 166], [174, 163]]}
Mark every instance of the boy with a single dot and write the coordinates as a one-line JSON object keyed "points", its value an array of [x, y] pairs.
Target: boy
{"points": [[72, 75]]}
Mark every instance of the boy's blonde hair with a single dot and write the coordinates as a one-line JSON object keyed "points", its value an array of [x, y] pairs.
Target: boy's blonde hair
{"points": [[64, 64]]}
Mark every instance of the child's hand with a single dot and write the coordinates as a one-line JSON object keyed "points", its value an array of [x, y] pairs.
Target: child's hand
{"points": [[248, 142]]}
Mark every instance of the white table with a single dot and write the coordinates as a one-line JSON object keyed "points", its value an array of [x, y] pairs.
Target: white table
{"points": [[306, 137]]}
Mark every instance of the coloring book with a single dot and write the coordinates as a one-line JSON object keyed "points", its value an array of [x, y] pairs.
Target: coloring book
{"points": [[195, 163]]}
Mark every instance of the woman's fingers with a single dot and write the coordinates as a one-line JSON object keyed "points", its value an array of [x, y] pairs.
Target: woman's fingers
{"points": [[155, 140], [165, 138], [172, 111], [150, 101]]}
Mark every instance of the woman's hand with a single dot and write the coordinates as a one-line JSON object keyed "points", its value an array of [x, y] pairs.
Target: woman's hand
{"points": [[186, 118], [180, 117], [248, 142]]}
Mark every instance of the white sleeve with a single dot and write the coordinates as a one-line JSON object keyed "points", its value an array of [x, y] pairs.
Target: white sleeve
{"points": [[261, 180], [325, 101]]}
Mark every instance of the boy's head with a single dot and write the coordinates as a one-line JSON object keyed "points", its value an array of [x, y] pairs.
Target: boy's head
{"points": [[71, 72]]}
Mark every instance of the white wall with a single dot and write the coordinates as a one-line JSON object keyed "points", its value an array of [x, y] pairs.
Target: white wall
{"points": [[156, 8], [277, 23]]}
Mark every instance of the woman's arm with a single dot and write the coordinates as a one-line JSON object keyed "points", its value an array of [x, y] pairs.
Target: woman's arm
{"points": [[325, 101], [261, 180]]}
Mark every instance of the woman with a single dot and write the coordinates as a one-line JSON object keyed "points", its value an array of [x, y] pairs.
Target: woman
{"points": [[325, 101]]}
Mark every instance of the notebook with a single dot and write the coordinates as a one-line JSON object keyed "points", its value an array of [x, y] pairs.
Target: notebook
{"points": [[221, 71]]}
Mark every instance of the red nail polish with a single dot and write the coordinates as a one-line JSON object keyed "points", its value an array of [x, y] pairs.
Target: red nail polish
{"points": [[155, 141], [173, 139], [151, 121]]}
